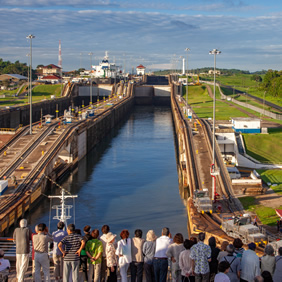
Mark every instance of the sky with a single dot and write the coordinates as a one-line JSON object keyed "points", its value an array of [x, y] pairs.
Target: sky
{"points": [[154, 33]]}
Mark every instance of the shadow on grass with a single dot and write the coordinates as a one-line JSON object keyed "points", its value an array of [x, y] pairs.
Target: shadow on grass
{"points": [[202, 103], [11, 102], [248, 202], [40, 93], [257, 157]]}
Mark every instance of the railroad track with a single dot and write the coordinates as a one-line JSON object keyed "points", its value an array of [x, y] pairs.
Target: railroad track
{"points": [[12, 141], [35, 176], [226, 185], [224, 180], [27, 151], [192, 168]]}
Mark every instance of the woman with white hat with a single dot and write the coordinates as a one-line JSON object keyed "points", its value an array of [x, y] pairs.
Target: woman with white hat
{"points": [[111, 257]]}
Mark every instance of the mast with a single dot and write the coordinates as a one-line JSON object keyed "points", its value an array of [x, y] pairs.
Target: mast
{"points": [[63, 210]]}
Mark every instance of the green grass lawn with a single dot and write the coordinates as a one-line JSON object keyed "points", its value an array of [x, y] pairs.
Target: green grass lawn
{"points": [[244, 83], [39, 93], [202, 104], [265, 147], [274, 176], [266, 215]]}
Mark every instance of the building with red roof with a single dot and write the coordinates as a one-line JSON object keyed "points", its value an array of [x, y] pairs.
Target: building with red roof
{"points": [[52, 78], [49, 69], [140, 70]]}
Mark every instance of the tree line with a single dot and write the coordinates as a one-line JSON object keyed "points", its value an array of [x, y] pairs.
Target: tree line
{"points": [[272, 83], [13, 68]]}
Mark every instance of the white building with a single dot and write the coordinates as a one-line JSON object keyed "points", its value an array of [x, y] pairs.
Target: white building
{"points": [[140, 70], [246, 125], [216, 72]]}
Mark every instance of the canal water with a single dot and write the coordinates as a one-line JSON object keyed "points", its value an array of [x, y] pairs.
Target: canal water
{"points": [[128, 181]]}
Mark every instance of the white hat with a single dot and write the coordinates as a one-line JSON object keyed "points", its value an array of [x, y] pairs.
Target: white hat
{"points": [[110, 236]]}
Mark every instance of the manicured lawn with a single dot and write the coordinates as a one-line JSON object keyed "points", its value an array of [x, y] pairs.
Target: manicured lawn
{"points": [[47, 90], [265, 147], [202, 104], [39, 93], [274, 176], [266, 215], [244, 83]]}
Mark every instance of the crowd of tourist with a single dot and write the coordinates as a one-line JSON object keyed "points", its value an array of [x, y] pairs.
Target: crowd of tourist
{"points": [[101, 258]]}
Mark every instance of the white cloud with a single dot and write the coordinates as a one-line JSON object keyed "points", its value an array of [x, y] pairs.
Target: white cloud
{"points": [[54, 3], [151, 37]]}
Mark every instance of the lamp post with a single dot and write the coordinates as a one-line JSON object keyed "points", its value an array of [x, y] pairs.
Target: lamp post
{"points": [[90, 54], [187, 50], [30, 83], [213, 170], [28, 55], [214, 52]]}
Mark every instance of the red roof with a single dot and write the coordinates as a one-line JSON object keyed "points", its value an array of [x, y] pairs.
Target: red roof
{"points": [[279, 213], [50, 77], [140, 67], [51, 66]]}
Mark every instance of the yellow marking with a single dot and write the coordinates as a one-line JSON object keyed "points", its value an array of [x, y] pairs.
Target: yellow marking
{"points": [[24, 175]]}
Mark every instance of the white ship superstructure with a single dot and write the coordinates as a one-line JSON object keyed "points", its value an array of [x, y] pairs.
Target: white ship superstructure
{"points": [[106, 69]]}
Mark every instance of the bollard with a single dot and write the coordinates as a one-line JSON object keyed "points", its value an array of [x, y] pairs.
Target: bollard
{"points": [[5, 153], [42, 153]]}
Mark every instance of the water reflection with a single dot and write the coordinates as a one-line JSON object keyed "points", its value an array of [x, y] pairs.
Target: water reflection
{"points": [[129, 180]]}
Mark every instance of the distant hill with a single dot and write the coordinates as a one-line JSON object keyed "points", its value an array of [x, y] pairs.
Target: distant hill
{"points": [[206, 69]]}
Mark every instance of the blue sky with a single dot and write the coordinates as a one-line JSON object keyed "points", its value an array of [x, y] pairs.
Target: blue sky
{"points": [[153, 33]]}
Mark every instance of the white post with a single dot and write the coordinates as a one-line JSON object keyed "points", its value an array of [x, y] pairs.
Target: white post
{"points": [[187, 49], [213, 169], [90, 54], [30, 84]]}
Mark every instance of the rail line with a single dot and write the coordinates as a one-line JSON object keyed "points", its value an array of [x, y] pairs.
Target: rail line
{"points": [[27, 150], [226, 185], [12, 141], [33, 179], [192, 169]]}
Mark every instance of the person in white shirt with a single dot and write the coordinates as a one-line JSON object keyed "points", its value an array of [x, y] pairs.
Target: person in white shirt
{"points": [[160, 262], [123, 251], [223, 268]]}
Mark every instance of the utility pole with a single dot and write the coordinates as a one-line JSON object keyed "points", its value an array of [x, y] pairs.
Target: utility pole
{"points": [[187, 50], [213, 169], [30, 83], [90, 54]]}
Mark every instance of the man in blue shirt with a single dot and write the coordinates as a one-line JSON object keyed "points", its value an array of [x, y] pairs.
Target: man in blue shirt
{"points": [[57, 254]]}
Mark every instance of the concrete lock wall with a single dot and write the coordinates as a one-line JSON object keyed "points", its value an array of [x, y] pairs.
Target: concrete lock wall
{"points": [[11, 118], [158, 95], [143, 95], [162, 95], [104, 90]]}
